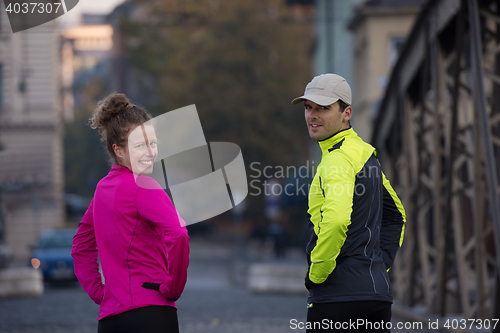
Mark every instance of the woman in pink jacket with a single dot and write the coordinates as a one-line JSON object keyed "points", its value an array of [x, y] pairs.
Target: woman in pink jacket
{"points": [[131, 224]]}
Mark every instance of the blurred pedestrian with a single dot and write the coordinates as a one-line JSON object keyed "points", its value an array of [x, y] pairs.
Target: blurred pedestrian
{"points": [[278, 235], [356, 219], [131, 224]]}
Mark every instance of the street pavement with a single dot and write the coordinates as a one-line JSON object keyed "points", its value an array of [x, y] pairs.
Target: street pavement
{"points": [[215, 299]]}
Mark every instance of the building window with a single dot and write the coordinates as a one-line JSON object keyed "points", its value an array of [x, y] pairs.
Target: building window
{"points": [[300, 2], [396, 45], [1, 85]]}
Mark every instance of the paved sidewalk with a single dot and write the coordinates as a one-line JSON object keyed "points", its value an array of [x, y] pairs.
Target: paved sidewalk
{"points": [[215, 299]]}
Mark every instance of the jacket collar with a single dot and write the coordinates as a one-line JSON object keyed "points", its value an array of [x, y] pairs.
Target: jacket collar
{"points": [[141, 180], [329, 142], [120, 168]]}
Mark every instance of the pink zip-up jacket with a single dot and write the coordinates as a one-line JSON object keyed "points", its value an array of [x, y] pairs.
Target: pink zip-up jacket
{"points": [[139, 237]]}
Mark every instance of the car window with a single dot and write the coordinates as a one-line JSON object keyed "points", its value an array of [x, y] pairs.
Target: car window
{"points": [[56, 242]]}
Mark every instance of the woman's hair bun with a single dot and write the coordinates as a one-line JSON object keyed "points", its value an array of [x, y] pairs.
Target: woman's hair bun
{"points": [[114, 118], [107, 109]]}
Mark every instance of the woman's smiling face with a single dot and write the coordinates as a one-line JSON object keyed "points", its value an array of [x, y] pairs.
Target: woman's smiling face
{"points": [[142, 149]]}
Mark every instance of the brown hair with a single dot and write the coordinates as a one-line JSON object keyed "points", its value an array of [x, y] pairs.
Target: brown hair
{"points": [[342, 105], [113, 118]]}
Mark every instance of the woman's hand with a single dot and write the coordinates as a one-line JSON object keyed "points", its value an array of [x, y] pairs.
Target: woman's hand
{"points": [[154, 286]]}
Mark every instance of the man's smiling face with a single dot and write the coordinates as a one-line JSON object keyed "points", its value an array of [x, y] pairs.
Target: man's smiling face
{"points": [[324, 121]]}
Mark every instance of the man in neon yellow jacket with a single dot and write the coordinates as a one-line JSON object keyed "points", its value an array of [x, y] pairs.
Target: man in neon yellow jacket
{"points": [[356, 219]]}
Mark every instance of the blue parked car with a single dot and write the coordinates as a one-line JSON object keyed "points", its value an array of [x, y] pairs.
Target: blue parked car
{"points": [[54, 252]]}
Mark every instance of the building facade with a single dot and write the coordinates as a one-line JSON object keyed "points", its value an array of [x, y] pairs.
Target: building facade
{"points": [[86, 50], [379, 32], [31, 155]]}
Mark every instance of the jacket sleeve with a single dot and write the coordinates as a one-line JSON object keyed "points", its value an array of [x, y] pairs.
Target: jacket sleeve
{"points": [[155, 205], [337, 187], [393, 224], [84, 253]]}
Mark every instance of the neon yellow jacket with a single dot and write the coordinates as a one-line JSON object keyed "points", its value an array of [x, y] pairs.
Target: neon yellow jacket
{"points": [[356, 223]]}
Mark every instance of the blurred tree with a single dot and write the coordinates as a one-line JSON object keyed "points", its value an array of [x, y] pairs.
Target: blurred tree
{"points": [[86, 161], [241, 62]]}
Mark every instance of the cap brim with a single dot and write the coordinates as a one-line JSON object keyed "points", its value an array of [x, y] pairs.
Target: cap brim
{"points": [[318, 99]]}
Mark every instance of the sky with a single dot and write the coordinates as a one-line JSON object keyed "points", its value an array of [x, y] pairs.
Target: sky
{"points": [[88, 7]]}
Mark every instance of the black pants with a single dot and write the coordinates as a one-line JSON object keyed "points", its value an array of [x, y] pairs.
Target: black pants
{"points": [[149, 319], [362, 316]]}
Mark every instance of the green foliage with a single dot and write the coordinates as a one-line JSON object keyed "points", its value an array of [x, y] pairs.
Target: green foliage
{"points": [[241, 62], [240, 65], [86, 161]]}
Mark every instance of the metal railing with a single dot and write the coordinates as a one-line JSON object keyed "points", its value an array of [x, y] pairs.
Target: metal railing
{"points": [[438, 135]]}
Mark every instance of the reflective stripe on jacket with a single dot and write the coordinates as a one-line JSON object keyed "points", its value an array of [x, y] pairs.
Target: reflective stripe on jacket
{"points": [[356, 223]]}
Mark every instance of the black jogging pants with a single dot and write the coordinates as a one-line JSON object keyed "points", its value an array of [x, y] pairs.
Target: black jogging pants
{"points": [[357, 316], [149, 319]]}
